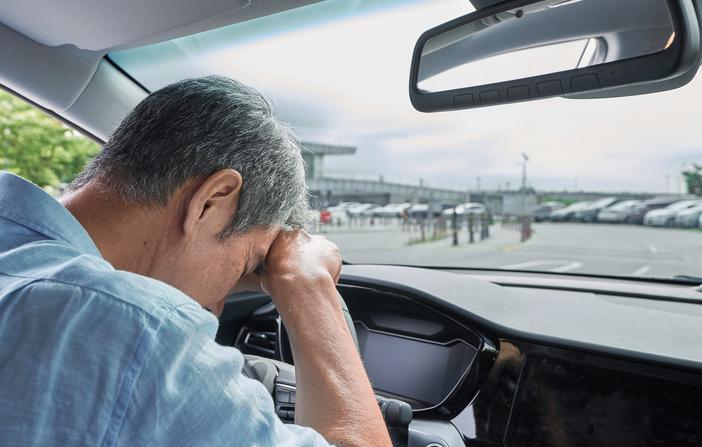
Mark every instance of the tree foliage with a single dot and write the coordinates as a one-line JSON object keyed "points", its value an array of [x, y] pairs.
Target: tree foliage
{"points": [[693, 179], [37, 147]]}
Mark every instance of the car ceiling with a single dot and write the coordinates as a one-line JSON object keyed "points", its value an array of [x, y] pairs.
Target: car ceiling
{"points": [[53, 51]]}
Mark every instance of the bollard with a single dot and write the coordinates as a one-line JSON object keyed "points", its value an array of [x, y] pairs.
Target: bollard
{"points": [[482, 227], [487, 227], [454, 227], [470, 229], [526, 228], [421, 226]]}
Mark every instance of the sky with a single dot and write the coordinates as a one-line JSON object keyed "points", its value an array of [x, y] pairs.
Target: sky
{"points": [[345, 81]]}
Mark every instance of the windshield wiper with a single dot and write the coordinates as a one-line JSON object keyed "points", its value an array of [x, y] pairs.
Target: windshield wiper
{"points": [[688, 278]]}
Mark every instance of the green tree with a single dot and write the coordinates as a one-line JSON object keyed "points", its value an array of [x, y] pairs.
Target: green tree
{"points": [[693, 178], [37, 147]]}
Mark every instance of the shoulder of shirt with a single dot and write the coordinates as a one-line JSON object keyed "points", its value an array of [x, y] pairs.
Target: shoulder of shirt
{"points": [[87, 273]]}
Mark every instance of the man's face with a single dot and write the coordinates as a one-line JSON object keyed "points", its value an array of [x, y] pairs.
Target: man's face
{"points": [[207, 269]]}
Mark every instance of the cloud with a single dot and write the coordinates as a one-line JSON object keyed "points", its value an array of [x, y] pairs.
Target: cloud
{"points": [[355, 91]]}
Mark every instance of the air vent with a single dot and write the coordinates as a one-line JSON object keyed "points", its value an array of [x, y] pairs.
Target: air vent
{"points": [[264, 342], [260, 334]]}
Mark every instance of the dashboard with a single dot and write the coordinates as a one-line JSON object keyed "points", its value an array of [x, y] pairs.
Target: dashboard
{"points": [[513, 364]]}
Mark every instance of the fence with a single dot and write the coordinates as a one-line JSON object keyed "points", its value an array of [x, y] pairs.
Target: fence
{"points": [[520, 223], [430, 228]]}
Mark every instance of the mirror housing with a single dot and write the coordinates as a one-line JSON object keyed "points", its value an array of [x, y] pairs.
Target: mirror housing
{"points": [[456, 43]]}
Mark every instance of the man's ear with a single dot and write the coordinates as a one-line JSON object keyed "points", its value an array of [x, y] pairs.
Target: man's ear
{"points": [[214, 202]]}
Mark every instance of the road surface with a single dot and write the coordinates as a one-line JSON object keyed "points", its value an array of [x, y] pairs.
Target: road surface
{"points": [[560, 247]]}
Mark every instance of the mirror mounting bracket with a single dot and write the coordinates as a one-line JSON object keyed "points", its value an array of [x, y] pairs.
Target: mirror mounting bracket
{"points": [[482, 4]]}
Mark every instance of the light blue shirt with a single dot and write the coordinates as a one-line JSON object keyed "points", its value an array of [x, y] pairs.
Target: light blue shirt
{"points": [[93, 356]]}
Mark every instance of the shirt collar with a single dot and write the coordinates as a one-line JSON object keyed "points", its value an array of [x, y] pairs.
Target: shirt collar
{"points": [[29, 205]]}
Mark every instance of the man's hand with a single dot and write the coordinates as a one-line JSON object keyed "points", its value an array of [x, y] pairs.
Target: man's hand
{"points": [[294, 255], [297, 260], [333, 394]]}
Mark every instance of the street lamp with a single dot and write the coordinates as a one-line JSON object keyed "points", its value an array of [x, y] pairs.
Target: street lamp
{"points": [[524, 170]]}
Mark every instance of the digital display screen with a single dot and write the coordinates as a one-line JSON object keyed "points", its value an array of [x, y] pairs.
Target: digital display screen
{"points": [[416, 369], [563, 403]]}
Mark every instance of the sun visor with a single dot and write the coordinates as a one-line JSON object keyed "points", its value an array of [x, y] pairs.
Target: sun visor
{"points": [[94, 26]]}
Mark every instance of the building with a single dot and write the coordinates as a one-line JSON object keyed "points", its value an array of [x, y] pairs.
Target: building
{"points": [[327, 191]]}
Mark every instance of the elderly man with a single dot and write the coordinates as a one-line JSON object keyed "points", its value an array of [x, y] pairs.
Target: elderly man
{"points": [[107, 298]]}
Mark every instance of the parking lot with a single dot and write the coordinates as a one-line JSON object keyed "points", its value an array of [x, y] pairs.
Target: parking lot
{"points": [[607, 249]]}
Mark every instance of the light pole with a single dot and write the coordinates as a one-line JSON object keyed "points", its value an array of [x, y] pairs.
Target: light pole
{"points": [[524, 166]]}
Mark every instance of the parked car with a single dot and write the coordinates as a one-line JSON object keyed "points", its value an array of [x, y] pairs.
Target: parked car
{"points": [[568, 213], [466, 209], [543, 211], [619, 212], [360, 209], [343, 206], [337, 218], [371, 210], [589, 213], [646, 206], [689, 217], [418, 210], [392, 210], [665, 217]]}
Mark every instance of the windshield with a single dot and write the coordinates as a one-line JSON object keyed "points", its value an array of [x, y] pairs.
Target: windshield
{"points": [[338, 72], [680, 205], [623, 205]]}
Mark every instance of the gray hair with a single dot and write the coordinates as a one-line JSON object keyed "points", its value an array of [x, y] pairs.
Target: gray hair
{"points": [[194, 128]]}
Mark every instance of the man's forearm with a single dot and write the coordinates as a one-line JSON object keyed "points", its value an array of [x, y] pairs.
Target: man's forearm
{"points": [[333, 394]]}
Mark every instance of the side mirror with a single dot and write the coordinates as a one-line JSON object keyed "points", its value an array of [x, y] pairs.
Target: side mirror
{"points": [[521, 50]]}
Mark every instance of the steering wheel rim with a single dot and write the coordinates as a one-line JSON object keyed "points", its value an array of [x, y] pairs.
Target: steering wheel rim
{"points": [[349, 322]]}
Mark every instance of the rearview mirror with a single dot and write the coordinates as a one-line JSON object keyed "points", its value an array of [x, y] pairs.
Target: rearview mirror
{"points": [[521, 50]]}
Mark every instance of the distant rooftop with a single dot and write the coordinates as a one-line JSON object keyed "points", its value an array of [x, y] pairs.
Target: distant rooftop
{"points": [[314, 156], [328, 149]]}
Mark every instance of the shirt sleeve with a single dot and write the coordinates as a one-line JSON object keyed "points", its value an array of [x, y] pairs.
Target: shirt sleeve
{"points": [[190, 392]]}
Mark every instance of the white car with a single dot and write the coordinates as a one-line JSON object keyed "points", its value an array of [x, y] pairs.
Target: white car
{"points": [[467, 209], [343, 206], [392, 210], [665, 217], [360, 210], [418, 210], [688, 218]]}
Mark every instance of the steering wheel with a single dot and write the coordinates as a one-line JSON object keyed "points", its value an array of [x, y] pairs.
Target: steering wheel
{"points": [[279, 380]]}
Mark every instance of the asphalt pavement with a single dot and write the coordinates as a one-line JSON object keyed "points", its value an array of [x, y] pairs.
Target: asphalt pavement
{"points": [[607, 249]]}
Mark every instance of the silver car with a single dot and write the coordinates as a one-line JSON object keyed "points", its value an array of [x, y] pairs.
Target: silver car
{"points": [[688, 218], [619, 212], [665, 217]]}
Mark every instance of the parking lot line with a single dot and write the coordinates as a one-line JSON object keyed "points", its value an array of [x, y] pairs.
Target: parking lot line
{"points": [[642, 271], [566, 268], [569, 265]]}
